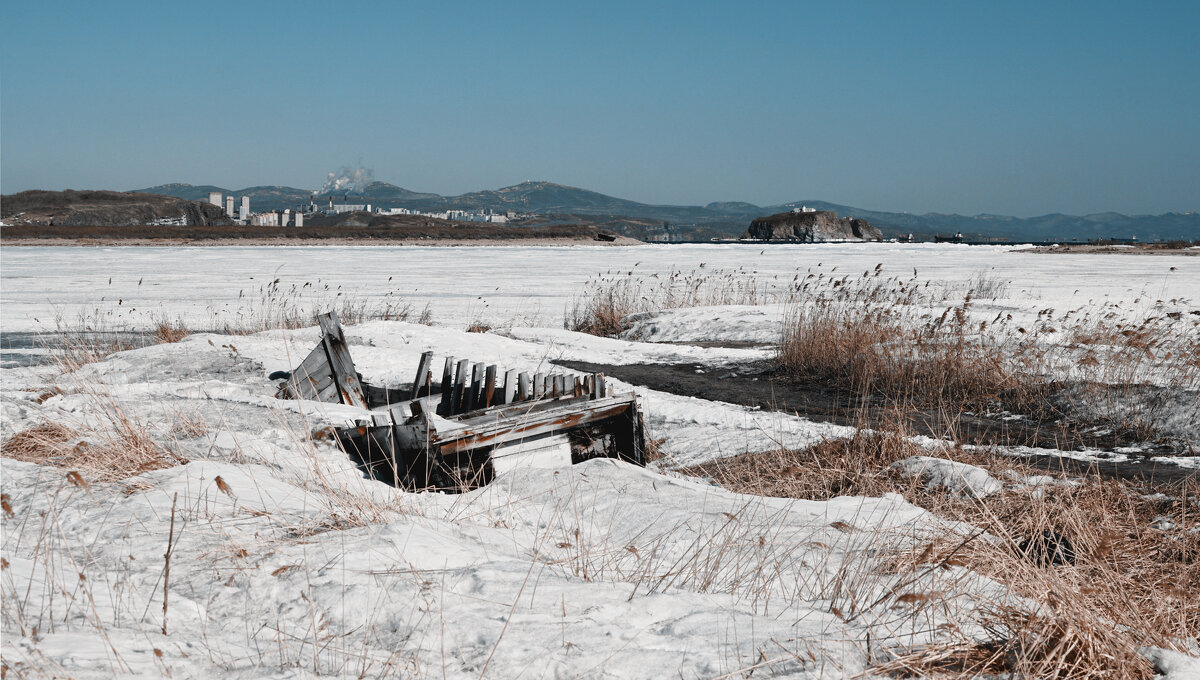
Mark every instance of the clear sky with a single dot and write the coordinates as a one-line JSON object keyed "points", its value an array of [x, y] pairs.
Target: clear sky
{"points": [[1008, 107]]}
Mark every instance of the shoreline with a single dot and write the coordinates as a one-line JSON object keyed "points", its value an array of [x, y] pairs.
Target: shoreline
{"points": [[621, 241], [1089, 249]]}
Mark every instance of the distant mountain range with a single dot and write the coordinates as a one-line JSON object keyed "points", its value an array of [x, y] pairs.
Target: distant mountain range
{"points": [[716, 219]]}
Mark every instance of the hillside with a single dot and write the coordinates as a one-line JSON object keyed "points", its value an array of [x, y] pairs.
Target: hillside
{"points": [[106, 209], [728, 218]]}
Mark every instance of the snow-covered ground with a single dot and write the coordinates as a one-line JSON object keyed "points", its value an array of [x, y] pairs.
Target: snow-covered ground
{"points": [[303, 567], [285, 562]]}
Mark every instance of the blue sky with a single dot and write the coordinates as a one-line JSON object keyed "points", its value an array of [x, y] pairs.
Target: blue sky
{"points": [[1014, 108]]}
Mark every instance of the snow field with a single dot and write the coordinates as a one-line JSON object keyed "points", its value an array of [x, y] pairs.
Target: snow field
{"points": [[293, 564]]}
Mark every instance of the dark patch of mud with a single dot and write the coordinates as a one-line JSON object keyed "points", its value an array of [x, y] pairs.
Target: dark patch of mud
{"points": [[756, 386]]}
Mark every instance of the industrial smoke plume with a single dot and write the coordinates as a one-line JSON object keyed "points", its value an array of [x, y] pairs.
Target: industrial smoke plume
{"points": [[348, 180]]}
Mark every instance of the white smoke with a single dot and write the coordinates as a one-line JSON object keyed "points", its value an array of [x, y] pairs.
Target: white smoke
{"points": [[347, 180]]}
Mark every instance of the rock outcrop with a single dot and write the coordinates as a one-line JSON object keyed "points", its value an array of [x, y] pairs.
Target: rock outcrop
{"points": [[107, 209], [811, 227]]}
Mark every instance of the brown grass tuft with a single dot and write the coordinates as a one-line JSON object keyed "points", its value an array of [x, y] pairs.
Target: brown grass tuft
{"points": [[1128, 583], [609, 300], [105, 455], [167, 331]]}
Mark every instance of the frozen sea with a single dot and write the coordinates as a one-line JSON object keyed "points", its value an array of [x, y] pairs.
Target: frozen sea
{"points": [[133, 287]]}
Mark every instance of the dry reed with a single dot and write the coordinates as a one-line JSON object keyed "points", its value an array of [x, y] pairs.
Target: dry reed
{"points": [[1123, 578]]}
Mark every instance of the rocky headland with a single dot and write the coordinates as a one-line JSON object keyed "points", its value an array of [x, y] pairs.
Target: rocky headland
{"points": [[812, 226], [107, 209]]}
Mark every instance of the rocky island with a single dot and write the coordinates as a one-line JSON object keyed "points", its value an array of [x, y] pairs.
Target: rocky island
{"points": [[811, 226]]}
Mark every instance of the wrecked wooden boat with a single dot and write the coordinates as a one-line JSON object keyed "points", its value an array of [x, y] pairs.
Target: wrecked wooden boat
{"points": [[457, 433]]}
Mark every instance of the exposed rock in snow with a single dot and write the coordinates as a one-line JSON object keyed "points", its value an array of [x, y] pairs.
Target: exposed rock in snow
{"points": [[960, 479], [1172, 665]]}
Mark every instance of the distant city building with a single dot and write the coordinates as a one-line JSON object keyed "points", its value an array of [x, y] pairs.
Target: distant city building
{"points": [[229, 206], [214, 197], [299, 219], [485, 215], [244, 213], [804, 209]]}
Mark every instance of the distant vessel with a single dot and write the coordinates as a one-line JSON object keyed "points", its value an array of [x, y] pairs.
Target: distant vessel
{"points": [[957, 238]]}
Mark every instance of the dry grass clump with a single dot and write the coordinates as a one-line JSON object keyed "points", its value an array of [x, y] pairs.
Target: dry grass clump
{"points": [[167, 332], [122, 449], [99, 333], [884, 339], [276, 306], [875, 336], [72, 349], [855, 466], [608, 300], [905, 342], [1063, 640], [1107, 566]]}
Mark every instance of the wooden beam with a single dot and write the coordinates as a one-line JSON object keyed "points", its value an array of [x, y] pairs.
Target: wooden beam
{"points": [[536, 424], [424, 377], [339, 360], [524, 387], [510, 386], [460, 387], [447, 385], [473, 392], [489, 387]]}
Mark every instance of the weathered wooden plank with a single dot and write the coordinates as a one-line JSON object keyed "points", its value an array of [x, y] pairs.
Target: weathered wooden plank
{"points": [[578, 388], [460, 386], [339, 359], [316, 382], [424, 377], [447, 385], [330, 394], [551, 421], [473, 392], [519, 411], [524, 387], [597, 385], [315, 363], [489, 387], [311, 376], [308, 386], [510, 386], [539, 386]]}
